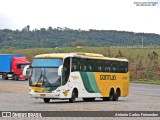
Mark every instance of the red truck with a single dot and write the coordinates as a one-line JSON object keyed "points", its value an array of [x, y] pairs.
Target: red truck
{"points": [[11, 66]]}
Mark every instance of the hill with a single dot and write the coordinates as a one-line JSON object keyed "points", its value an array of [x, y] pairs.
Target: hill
{"points": [[58, 37]]}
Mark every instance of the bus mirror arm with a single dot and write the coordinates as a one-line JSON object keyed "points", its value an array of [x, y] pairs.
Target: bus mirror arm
{"points": [[60, 71], [26, 70]]}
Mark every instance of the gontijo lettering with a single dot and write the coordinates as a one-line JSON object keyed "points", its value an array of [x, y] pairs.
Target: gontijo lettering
{"points": [[107, 77]]}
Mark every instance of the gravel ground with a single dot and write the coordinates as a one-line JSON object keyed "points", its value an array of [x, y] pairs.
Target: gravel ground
{"points": [[143, 97]]}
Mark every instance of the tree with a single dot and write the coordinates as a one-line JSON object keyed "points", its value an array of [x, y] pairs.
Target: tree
{"points": [[26, 28], [119, 54], [49, 28]]}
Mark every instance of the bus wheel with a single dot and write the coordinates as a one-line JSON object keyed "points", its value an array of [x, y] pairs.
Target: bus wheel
{"points": [[117, 95], [73, 97], [46, 100], [88, 99], [111, 95]]}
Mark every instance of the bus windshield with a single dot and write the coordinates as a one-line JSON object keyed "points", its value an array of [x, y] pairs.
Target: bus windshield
{"points": [[44, 72], [45, 77], [41, 62]]}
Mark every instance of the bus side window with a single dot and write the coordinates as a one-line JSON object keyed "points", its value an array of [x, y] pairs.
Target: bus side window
{"points": [[107, 67], [125, 64], [91, 66], [80, 68], [112, 67], [74, 67], [100, 66], [74, 64], [121, 67], [66, 70], [115, 66], [83, 66]]}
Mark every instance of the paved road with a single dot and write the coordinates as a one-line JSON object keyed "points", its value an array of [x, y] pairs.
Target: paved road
{"points": [[14, 97], [143, 97]]}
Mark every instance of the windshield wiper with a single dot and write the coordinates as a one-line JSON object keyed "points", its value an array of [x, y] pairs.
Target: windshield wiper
{"points": [[45, 83]]}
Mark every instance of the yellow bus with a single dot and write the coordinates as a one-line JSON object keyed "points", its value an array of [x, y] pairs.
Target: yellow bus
{"points": [[78, 75]]}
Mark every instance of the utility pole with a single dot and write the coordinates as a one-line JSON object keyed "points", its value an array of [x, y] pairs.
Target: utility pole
{"points": [[142, 42]]}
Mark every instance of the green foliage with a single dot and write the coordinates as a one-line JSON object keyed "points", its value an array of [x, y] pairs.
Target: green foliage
{"points": [[58, 37], [144, 63], [151, 81]]}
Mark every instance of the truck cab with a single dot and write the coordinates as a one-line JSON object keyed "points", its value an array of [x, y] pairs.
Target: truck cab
{"points": [[18, 64]]}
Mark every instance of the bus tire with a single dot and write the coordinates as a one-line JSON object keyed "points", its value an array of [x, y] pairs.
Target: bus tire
{"points": [[88, 99], [73, 96], [46, 100], [117, 95], [111, 95]]}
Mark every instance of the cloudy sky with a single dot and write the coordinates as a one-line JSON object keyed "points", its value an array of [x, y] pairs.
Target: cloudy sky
{"points": [[122, 15]]}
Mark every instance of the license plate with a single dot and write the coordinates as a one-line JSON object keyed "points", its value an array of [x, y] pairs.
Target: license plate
{"points": [[42, 95]]}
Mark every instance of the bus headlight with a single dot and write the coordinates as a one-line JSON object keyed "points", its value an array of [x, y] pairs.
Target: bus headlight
{"points": [[58, 90], [30, 90]]}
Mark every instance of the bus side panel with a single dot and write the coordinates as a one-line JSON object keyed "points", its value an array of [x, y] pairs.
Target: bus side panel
{"points": [[85, 83], [125, 90], [89, 82], [98, 84], [106, 81]]}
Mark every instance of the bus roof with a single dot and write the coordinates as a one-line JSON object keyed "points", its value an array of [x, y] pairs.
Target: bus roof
{"points": [[53, 55], [79, 55]]}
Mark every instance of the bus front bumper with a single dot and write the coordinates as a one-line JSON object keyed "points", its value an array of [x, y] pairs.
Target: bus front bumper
{"points": [[51, 95]]}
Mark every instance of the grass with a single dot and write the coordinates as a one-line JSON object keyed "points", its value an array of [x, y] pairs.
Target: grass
{"points": [[135, 55], [150, 81]]}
